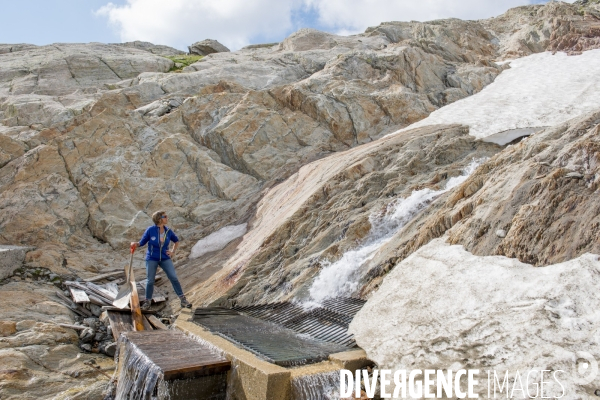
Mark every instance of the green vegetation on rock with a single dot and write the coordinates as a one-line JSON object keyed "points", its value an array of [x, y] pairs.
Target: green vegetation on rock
{"points": [[183, 60]]}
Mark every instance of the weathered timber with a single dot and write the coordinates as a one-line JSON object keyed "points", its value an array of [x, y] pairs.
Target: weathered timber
{"points": [[178, 355], [126, 309], [123, 322], [79, 296], [156, 322], [97, 300], [101, 291], [76, 308], [106, 275], [93, 290]]}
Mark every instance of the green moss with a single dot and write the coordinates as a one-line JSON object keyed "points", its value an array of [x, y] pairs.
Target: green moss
{"points": [[182, 61]]}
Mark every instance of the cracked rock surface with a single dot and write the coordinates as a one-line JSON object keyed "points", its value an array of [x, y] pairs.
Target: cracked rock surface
{"points": [[288, 138]]}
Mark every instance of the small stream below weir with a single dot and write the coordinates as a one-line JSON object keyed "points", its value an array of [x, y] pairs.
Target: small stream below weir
{"points": [[323, 386], [138, 375]]}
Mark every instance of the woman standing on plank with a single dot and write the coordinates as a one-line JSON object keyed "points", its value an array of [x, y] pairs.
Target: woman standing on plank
{"points": [[158, 254]]}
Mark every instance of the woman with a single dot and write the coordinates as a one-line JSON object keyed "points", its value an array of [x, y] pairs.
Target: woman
{"points": [[158, 254]]}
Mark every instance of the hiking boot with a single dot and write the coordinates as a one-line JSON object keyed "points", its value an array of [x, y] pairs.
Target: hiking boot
{"points": [[184, 302], [145, 306]]}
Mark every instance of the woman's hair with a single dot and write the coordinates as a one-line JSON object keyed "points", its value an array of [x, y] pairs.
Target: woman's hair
{"points": [[156, 217]]}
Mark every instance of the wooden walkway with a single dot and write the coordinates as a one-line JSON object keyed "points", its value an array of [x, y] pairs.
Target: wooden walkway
{"points": [[178, 355]]}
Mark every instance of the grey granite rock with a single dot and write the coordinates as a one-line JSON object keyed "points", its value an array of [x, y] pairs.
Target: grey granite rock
{"points": [[11, 258], [207, 46], [157, 49]]}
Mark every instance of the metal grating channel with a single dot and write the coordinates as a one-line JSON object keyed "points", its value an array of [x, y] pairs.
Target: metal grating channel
{"points": [[286, 333], [329, 322], [274, 343]]}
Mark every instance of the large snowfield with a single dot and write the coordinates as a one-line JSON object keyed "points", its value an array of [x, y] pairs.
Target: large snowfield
{"points": [[445, 308], [540, 90]]}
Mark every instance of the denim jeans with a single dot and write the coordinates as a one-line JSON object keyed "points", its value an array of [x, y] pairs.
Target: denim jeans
{"points": [[169, 268]]}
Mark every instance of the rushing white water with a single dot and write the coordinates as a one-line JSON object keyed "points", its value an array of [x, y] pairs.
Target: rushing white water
{"points": [[324, 386], [139, 376], [341, 278]]}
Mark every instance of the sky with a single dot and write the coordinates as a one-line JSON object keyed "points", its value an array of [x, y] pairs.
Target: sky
{"points": [[235, 23]]}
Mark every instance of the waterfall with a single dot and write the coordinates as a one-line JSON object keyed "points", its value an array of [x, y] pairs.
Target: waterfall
{"points": [[341, 278], [323, 386], [138, 376]]}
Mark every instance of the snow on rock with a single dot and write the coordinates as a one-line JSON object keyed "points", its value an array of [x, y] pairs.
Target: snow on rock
{"points": [[537, 91], [445, 308], [217, 240]]}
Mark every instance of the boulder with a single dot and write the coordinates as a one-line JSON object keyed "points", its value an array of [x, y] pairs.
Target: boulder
{"points": [[7, 328], [11, 258], [207, 46]]}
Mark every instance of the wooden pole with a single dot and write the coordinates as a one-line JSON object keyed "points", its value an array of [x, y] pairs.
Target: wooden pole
{"points": [[136, 311]]}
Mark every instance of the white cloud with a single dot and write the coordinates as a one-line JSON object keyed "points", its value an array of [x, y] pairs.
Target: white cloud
{"points": [[236, 23], [181, 22], [354, 15]]}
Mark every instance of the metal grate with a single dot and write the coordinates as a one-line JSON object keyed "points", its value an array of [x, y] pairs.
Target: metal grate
{"points": [[328, 322], [274, 343], [286, 333]]}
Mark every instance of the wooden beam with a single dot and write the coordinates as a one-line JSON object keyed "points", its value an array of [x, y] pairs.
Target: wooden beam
{"points": [[123, 322], [79, 296], [178, 355], [76, 308], [126, 309], [156, 322], [104, 276]]}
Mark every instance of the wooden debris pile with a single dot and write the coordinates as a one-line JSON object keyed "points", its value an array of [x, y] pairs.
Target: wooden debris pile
{"points": [[97, 322], [87, 297]]}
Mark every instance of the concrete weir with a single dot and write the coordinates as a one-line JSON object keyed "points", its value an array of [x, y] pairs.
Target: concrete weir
{"points": [[218, 353], [252, 378]]}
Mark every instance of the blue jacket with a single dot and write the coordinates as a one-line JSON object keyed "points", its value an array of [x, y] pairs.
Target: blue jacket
{"points": [[155, 251]]}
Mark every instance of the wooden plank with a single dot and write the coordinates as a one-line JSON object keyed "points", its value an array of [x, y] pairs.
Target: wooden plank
{"points": [[213, 370], [123, 322], [156, 322], [126, 309], [99, 301], [178, 355], [99, 297], [76, 308], [101, 291], [105, 275], [117, 324], [79, 296]]}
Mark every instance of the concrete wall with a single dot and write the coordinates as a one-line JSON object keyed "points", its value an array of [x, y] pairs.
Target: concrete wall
{"points": [[254, 379]]}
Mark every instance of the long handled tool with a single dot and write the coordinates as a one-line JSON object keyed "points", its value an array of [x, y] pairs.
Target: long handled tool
{"points": [[128, 295]]}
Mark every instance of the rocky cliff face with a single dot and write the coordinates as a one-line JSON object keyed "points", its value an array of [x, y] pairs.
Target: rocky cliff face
{"points": [[291, 139]]}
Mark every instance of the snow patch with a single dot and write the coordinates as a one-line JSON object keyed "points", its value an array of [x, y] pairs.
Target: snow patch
{"points": [[443, 307], [217, 240], [538, 90], [341, 278]]}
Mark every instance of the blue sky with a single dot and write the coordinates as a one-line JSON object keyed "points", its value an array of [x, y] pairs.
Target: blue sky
{"points": [[235, 23]]}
